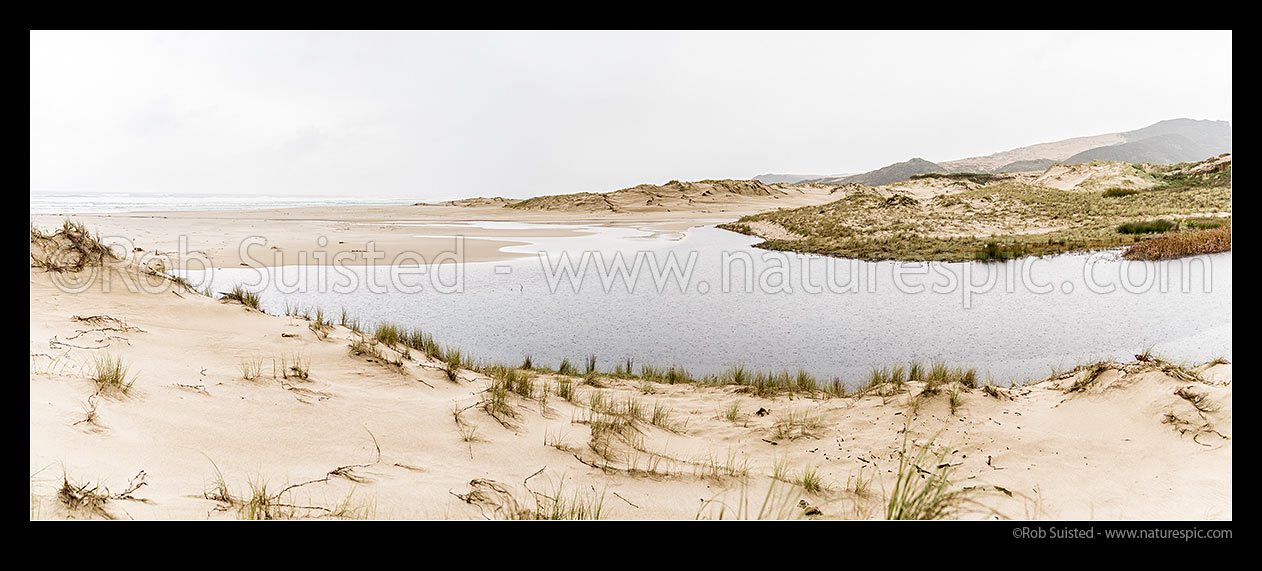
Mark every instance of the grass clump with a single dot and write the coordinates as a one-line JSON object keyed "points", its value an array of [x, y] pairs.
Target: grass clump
{"points": [[388, 334], [780, 503], [1200, 401], [661, 417], [811, 480], [797, 424], [1147, 227], [1180, 244], [565, 389], [996, 251], [110, 375], [836, 388], [623, 370], [451, 364], [243, 296], [805, 382], [295, 367], [939, 373], [70, 249], [676, 375], [992, 390], [716, 468], [468, 432], [922, 489], [252, 369], [1119, 192], [92, 498], [362, 347], [916, 373], [519, 383], [876, 378], [496, 402]]}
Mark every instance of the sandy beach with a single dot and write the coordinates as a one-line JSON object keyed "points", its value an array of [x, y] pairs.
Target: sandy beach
{"points": [[320, 233]]}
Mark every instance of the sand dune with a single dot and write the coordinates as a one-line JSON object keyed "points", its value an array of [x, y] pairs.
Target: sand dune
{"points": [[358, 437]]}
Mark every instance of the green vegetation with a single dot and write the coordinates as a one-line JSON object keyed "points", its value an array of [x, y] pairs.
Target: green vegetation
{"points": [[388, 333], [1176, 179], [243, 296], [1118, 192], [1002, 220], [110, 375], [994, 251], [1147, 227], [567, 378], [811, 481], [923, 487], [977, 177]]}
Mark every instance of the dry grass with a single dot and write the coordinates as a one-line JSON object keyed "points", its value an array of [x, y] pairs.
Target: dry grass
{"points": [[1180, 244], [797, 424], [242, 296], [923, 488], [779, 503], [92, 499], [110, 376], [69, 249]]}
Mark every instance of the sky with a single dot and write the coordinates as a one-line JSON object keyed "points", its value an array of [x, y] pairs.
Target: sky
{"points": [[443, 115]]}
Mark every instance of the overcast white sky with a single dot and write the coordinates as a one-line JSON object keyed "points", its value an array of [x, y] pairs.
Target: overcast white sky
{"points": [[452, 114]]}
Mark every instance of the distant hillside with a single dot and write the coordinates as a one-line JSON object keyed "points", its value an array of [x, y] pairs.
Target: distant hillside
{"points": [[1162, 149], [896, 172], [1055, 151], [1164, 142], [1025, 166], [773, 178], [1214, 137]]}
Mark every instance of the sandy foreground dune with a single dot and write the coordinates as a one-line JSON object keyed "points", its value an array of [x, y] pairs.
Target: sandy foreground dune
{"points": [[319, 431]]}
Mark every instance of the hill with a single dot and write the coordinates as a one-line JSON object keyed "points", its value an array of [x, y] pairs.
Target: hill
{"points": [[1026, 166], [1165, 142], [1213, 136], [1161, 149], [773, 178], [886, 175]]}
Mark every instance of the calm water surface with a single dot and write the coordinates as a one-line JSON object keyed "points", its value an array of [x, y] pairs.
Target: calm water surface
{"points": [[833, 317]]}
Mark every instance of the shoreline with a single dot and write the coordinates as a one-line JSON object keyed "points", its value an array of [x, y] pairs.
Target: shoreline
{"points": [[289, 232]]}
